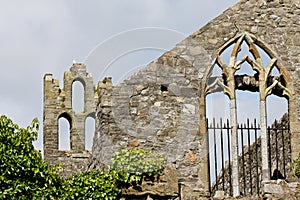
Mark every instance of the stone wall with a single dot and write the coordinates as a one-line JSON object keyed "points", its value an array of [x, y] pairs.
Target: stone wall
{"points": [[281, 189], [271, 190], [164, 187], [160, 113]]}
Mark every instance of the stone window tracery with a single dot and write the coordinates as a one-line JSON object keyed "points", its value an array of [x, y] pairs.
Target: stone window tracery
{"points": [[262, 75], [270, 73]]}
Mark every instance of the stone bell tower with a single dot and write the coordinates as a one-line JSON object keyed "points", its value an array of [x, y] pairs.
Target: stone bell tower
{"points": [[57, 105]]}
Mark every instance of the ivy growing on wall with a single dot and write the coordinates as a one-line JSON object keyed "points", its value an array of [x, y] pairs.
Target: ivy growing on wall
{"points": [[135, 164], [296, 167]]}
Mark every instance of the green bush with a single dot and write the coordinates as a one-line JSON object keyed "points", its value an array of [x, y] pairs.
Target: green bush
{"points": [[136, 163], [23, 173], [92, 185], [128, 167], [296, 167]]}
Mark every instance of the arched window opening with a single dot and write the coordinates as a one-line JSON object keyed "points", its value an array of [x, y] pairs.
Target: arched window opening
{"points": [[244, 51], [245, 68], [278, 135], [264, 56], [247, 75], [214, 81], [226, 53], [217, 106], [247, 106], [89, 132], [275, 71], [78, 96], [64, 136], [218, 114], [216, 71], [277, 107]]}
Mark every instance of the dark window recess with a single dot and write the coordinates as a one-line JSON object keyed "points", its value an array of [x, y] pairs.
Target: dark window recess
{"points": [[164, 87]]}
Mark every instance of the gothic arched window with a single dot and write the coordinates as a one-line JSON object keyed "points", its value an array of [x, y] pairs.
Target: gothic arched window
{"points": [[78, 96], [248, 65]]}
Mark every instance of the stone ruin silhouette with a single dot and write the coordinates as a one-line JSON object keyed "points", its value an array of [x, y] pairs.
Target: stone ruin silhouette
{"points": [[162, 107]]}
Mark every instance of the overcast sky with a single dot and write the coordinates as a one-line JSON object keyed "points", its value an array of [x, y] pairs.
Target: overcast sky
{"points": [[39, 37]]}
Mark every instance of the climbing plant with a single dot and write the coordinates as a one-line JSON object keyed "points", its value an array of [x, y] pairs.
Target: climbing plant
{"points": [[296, 167], [135, 163]]}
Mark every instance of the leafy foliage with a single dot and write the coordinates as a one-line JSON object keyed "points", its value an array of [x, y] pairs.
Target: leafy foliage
{"points": [[23, 173], [136, 163], [92, 185], [129, 165], [296, 167]]}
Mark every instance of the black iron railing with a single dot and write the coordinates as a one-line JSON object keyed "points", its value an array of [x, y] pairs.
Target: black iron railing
{"points": [[219, 155]]}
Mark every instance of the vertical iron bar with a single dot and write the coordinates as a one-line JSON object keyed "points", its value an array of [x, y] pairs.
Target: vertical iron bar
{"points": [[179, 190], [270, 152], [243, 159], [289, 145], [215, 149], [229, 155], [208, 158], [256, 152], [289, 141], [283, 152], [276, 142], [222, 154], [249, 152]]}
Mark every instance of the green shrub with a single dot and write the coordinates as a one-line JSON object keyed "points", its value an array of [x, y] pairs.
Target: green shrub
{"points": [[127, 169], [296, 167], [135, 163], [92, 185], [23, 173]]}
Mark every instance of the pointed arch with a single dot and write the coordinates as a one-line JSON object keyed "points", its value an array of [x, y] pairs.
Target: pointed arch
{"points": [[264, 75], [89, 131], [78, 95]]}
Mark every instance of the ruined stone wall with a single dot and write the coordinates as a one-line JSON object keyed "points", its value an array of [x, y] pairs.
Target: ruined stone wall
{"points": [[57, 104], [155, 109], [162, 107]]}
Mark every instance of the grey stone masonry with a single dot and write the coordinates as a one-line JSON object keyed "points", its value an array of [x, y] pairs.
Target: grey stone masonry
{"points": [[162, 107], [58, 104]]}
